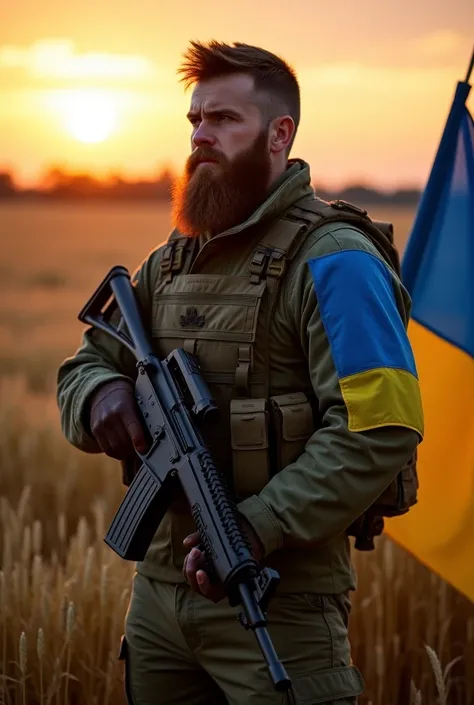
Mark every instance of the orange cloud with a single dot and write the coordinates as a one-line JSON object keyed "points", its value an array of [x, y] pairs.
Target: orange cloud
{"points": [[440, 44], [58, 58]]}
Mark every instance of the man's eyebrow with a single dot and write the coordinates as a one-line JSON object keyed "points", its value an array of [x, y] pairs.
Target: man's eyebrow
{"points": [[215, 111]]}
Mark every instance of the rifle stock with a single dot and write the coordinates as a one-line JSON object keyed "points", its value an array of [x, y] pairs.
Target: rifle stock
{"points": [[174, 401]]}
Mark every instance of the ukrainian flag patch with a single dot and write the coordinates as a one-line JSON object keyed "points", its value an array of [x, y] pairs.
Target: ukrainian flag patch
{"points": [[369, 343]]}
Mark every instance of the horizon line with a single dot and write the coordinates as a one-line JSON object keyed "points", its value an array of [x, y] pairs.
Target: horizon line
{"points": [[166, 174]]}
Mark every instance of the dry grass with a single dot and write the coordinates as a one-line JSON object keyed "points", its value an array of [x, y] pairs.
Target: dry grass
{"points": [[63, 593], [57, 575]]}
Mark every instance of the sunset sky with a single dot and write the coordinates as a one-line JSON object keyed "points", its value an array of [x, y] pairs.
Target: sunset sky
{"points": [[92, 85]]}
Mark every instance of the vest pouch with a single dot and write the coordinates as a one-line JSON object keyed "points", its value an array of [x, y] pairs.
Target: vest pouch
{"points": [[250, 445], [292, 423]]}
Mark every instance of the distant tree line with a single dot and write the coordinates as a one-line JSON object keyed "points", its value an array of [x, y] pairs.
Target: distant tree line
{"points": [[60, 185]]}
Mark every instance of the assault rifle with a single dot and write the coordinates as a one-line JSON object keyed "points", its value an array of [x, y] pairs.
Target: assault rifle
{"points": [[174, 401]]}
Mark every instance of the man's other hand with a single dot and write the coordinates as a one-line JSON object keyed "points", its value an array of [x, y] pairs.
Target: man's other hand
{"points": [[115, 422], [195, 561]]}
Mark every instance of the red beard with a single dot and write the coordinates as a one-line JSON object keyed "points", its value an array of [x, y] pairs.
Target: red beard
{"points": [[211, 198]]}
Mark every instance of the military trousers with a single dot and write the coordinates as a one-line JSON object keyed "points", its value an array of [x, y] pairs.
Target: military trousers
{"points": [[181, 649]]}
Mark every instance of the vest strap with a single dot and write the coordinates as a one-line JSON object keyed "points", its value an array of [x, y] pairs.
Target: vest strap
{"points": [[166, 261], [242, 371], [178, 259], [270, 262], [189, 345], [173, 258], [282, 235]]}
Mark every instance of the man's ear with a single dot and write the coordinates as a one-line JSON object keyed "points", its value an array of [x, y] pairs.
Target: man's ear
{"points": [[281, 133]]}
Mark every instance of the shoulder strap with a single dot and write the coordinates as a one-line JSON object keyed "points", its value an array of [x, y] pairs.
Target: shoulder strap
{"points": [[282, 241], [378, 232], [275, 250]]}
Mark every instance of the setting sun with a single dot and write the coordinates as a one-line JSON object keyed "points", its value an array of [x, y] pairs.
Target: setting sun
{"points": [[90, 116]]}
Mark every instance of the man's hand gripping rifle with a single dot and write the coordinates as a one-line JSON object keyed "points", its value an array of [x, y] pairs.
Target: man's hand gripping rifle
{"points": [[174, 401]]}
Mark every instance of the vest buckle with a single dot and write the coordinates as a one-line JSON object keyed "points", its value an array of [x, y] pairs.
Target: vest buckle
{"points": [[267, 262], [258, 264], [276, 265]]}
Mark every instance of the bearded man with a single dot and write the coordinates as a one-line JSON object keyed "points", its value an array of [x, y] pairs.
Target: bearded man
{"points": [[297, 317]]}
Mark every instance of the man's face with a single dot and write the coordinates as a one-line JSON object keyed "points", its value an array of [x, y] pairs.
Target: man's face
{"points": [[227, 174]]}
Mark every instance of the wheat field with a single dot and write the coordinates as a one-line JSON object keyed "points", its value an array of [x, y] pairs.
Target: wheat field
{"points": [[63, 593]]}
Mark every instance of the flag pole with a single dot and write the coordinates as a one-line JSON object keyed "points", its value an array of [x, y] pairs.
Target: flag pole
{"points": [[471, 66]]}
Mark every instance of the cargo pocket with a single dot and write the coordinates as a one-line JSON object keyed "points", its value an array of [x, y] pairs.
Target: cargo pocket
{"points": [[331, 686], [249, 439], [292, 421], [124, 656]]}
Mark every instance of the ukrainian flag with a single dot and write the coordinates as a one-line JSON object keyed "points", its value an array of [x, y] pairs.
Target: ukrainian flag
{"points": [[438, 271]]}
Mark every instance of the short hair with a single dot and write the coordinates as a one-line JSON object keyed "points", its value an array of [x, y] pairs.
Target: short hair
{"points": [[273, 76]]}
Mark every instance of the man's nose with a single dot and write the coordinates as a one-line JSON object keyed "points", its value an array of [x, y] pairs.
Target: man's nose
{"points": [[203, 136]]}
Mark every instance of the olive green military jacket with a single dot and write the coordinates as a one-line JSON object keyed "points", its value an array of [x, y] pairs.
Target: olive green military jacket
{"points": [[336, 334]]}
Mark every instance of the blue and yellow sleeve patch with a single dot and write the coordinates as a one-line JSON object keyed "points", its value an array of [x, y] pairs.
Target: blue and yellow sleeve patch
{"points": [[369, 343]]}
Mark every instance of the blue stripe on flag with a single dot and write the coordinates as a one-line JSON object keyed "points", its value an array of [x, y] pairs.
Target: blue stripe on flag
{"points": [[443, 290]]}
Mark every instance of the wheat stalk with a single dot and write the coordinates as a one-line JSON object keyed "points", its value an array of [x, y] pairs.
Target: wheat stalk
{"points": [[70, 622], [438, 674], [23, 664], [415, 695], [40, 652], [3, 616], [37, 537]]}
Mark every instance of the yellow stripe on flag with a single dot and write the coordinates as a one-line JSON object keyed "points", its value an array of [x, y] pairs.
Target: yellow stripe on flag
{"points": [[439, 530]]}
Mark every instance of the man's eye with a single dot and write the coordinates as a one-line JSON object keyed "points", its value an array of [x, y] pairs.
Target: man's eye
{"points": [[220, 118]]}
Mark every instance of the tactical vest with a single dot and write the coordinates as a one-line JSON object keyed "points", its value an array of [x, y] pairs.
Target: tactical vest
{"points": [[225, 320]]}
